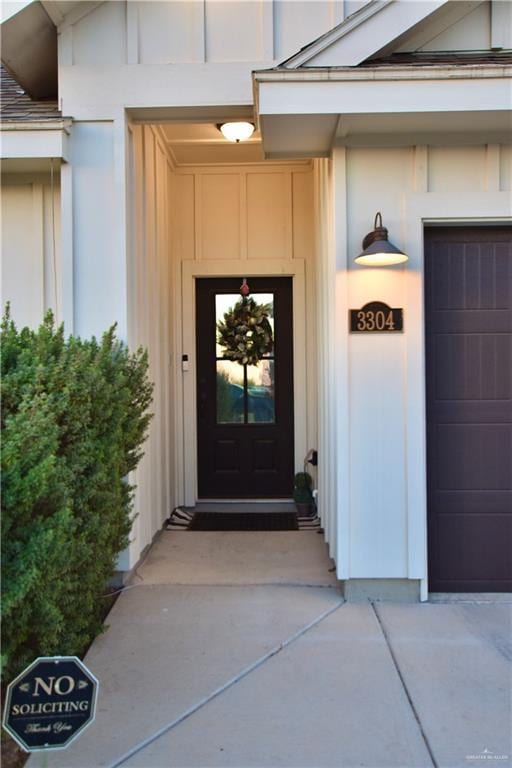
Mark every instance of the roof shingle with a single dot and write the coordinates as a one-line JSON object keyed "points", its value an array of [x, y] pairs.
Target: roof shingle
{"points": [[433, 58], [16, 106]]}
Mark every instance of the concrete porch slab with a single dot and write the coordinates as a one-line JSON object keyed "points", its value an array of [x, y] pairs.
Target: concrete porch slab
{"points": [[239, 558]]}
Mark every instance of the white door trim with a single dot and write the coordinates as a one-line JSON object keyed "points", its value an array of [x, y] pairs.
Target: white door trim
{"points": [[191, 270]]}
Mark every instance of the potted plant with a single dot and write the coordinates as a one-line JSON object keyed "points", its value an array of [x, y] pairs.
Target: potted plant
{"points": [[302, 493]]}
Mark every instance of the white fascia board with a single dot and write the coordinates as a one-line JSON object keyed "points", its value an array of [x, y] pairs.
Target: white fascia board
{"points": [[16, 143], [362, 34], [434, 89]]}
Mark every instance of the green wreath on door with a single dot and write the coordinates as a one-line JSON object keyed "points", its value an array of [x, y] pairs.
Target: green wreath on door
{"points": [[245, 332]]}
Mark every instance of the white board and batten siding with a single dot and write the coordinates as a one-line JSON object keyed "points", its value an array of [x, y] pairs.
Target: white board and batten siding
{"points": [[30, 244], [150, 304], [134, 226], [380, 400], [187, 53], [473, 27]]}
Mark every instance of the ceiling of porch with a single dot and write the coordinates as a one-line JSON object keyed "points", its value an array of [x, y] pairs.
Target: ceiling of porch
{"points": [[203, 144]]}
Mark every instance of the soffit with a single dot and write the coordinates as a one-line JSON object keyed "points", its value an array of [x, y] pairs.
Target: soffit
{"points": [[29, 51], [29, 44], [203, 144]]}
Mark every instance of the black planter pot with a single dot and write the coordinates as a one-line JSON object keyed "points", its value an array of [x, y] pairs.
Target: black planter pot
{"points": [[305, 508]]}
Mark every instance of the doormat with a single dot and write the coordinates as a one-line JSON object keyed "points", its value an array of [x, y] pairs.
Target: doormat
{"points": [[244, 521], [181, 519]]}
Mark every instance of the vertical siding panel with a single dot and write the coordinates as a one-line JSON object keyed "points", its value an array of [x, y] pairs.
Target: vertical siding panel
{"points": [[164, 335], [326, 425], [37, 224], [198, 216], [304, 248], [149, 170], [177, 428], [22, 253], [132, 32], [220, 216], [136, 316], [244, 245]]}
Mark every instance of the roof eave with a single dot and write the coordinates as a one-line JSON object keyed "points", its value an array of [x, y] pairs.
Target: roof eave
{"points": [[389, 72], [12, 124]]}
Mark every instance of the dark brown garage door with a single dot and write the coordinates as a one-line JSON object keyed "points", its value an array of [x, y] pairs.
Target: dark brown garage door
{"points": [[468, 301]]}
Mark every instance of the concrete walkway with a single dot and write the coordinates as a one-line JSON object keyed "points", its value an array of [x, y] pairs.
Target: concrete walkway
{"points": [[236, 649]]}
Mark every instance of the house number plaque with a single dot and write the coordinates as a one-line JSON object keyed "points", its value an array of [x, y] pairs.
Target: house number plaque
{"points": [[376, 317]]}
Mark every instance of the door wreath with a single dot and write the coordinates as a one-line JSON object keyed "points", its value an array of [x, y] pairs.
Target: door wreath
{"points": [[245, 332]]}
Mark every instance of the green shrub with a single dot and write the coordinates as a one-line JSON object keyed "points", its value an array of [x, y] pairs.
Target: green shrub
{"points": [[74, 418]]}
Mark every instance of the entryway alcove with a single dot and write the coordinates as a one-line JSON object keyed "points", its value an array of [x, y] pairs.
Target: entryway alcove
{"points": [[206, 214]]}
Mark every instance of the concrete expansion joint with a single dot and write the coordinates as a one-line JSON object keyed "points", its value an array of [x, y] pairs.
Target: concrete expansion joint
{"points": [[248, 585], [404, 684], [226, 686], [221, 585]]}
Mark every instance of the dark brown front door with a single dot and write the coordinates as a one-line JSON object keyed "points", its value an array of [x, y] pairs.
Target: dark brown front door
{"points": [[468, 301], [244, 412]]}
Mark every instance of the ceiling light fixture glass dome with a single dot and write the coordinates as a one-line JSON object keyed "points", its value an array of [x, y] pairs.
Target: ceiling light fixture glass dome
{"points": [[237, 131]]}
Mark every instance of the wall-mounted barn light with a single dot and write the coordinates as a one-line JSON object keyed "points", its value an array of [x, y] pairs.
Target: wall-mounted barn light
{"points": [[377, 250], [238, 131]]}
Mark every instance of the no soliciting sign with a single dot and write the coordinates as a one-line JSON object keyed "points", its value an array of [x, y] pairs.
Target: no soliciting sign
{"points": [[50, 703]]}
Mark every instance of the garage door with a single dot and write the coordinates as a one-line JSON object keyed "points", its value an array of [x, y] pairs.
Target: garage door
{"points": [[468, 308]]}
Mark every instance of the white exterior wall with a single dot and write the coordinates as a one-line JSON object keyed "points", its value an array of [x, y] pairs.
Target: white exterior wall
{"points": [[150, 326], [381, 426], [328, 382], [187, 53], [133, 227], [488, 25], [31, 256], [97, 210]]}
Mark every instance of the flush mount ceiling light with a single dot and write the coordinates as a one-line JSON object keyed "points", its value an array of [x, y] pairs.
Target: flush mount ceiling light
{"points": [[237, 131], [377, 250]]}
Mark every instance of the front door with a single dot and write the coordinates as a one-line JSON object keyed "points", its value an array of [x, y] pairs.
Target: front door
{"points": [[468, 303], [244, 412]]}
